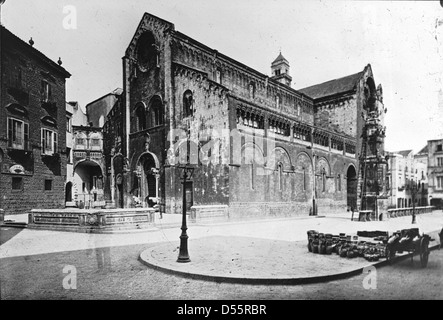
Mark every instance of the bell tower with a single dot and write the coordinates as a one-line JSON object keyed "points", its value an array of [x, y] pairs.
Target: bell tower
{"points": [[280, 70]]}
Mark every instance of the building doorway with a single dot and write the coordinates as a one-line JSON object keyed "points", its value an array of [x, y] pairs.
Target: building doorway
{"points": [[68, 192], [148, 180], [351, 187]]}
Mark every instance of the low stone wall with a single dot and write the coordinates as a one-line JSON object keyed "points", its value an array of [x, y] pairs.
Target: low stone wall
{"points": [[209, 213], [91, 220], [260, 210], [238, 211], [401, 212]]}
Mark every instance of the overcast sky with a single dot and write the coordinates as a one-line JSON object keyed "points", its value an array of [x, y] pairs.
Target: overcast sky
{"points": [[322, 40]]}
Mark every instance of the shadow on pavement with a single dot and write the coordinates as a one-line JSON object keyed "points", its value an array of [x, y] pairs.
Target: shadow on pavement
{"points": [[7, 233]]}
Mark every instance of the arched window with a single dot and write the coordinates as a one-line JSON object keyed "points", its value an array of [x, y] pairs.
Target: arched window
{"points": [[156, 112], [251, 90], [147, 51], [188, 104], [140, 117], [218, 75]]}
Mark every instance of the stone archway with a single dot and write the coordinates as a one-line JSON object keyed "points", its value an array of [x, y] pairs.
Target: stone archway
{"points": [[351, 187], [148, 179], [68, 192], [88, 179]]}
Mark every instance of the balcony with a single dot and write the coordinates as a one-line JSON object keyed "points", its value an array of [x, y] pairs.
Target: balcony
{"points": [[88, 155]]}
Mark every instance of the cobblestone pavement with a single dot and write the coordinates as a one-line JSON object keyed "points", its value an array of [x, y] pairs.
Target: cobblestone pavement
{"points": [[115, 273], [32, 263]]}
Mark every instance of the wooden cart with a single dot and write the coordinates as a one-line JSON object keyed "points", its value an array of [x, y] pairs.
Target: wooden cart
{"points": [[416, 245]]}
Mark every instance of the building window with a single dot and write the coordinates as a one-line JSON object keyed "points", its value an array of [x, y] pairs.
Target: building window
{"points": [[440, 182], [140, 116], [69, 155], [252, 90], [218, 76], [18, 134], [277, 101], [339, 182], [277, 72], [439, 147], [304, 179], [188, 102], [95, 142], [17, 183], [440, 161], [49, 142], [46, 91], [80, 141], [68, 124], [48, 184], [156, 113]]}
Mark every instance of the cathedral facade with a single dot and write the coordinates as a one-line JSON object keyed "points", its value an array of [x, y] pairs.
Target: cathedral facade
{"points": [[257, 147]]}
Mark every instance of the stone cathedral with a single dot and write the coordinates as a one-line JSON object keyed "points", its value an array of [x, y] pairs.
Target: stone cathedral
{"points": [[257, 146]]}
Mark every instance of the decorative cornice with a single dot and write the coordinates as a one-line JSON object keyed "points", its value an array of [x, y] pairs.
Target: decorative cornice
{"points": [[49, 121]]}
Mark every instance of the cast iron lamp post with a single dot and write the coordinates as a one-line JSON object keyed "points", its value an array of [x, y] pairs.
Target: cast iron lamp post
{"points": [[183, 255]]}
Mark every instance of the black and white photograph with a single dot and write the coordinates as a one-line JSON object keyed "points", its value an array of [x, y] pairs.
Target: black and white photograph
{"points": [[221, 155]]}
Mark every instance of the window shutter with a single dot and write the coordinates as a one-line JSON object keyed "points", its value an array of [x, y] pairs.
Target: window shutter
{"points": [[55, 142], [26, 136], [43, 141], [10, 128]]}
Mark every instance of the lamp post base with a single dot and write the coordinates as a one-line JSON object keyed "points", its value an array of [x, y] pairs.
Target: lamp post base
{"points": [[183, 256]]}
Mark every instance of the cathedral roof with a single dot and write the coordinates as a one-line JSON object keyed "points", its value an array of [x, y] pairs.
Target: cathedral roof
{"points": [[332, 87]]}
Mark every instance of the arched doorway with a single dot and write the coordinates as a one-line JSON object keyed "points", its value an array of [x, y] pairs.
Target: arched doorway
{"points": [[88, 177], [68, 192], [148, 179], [351, 188]]}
